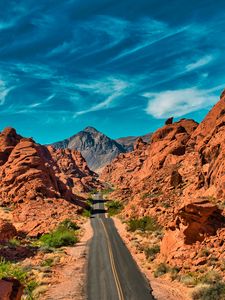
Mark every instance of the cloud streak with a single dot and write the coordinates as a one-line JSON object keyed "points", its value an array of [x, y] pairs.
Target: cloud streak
{"points": [[203, 61], [112, 89], [178, 103]]}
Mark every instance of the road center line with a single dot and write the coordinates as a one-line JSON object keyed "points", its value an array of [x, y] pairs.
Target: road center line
{"points": [[118, 285]]}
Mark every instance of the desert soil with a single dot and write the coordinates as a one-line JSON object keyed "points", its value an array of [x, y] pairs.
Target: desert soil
{"points": [[70, 275]]}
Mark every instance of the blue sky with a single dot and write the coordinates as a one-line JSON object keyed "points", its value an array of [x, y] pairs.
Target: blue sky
{"points": [[120, 66]]}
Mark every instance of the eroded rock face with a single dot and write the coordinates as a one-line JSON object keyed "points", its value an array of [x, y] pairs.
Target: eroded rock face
{"points": [[194, 222], [73, 170], [43, 184], [183, 163]]}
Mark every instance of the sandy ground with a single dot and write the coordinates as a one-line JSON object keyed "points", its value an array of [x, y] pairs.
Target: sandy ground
{"points": [[163, 289], [70, 275]]}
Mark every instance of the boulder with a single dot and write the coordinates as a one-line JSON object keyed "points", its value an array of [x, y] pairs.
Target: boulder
{"points": [[169, 121], [10, 289], [176, 178]]}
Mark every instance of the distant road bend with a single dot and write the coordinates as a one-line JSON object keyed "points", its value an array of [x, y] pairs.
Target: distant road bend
{"points": [[112, 272]]}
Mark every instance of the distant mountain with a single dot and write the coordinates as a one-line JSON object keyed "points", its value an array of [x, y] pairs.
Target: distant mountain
{"points": [[128, 142], [97, 148]]}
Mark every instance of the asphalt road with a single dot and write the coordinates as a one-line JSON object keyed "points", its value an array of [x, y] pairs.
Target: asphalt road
{"points": [[112, 272]]}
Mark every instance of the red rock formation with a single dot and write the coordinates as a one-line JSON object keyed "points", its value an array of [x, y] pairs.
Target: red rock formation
{"points": [[73, 170], [183, 163], [10, 289], [42, 184]]}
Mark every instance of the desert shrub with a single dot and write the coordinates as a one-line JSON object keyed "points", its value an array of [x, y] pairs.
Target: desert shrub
{"points": [[90, 201], [94, 191], [210, 278], [151, 195], [189, 279], [12, 270], [161, 270], [8, 269], [143, 224], [204, 252], [113, 207], [68, 224], [151, 253], [107, 191], [59, 238], [86, 213], [14, 243], [47, 262], [30, 287], [211, 292], [174, 273]]}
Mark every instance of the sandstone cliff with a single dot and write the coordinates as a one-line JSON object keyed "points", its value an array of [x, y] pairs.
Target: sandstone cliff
{"points": [[41, 185], [179, 179]]}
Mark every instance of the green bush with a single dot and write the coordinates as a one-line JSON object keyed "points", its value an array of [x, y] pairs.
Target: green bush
{"points": [[174, 273], [161, 270], [89, 201], [212, 292], [68, 224], [11, 270], [94, 191], [189, 279], [59, 238], [30, 287], [151, 253], [8, 269], [113, 207], [107, 191], [47, 262], [143, 224], [14, 243], [86, 213]]}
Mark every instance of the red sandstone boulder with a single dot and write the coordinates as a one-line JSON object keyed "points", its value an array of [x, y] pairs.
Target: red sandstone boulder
{"points": [[10, 289]]}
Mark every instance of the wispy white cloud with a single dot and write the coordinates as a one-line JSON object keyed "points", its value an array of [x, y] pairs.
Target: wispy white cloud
{"points": [[110, 89], [4, 91], [148, 32], [178, 102], [199, 63]]}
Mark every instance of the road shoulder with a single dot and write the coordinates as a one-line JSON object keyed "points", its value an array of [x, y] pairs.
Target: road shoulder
{"points": [[70, 275]]}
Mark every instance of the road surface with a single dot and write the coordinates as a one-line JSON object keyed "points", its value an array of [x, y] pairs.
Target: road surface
{"points": [[112, 272]]}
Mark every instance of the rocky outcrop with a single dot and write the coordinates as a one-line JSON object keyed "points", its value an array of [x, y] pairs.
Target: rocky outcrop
{"points": [[183, 163], [169, 121], [129, 141], [97, 148], [10, 289], [41, 184], [73, 170]]}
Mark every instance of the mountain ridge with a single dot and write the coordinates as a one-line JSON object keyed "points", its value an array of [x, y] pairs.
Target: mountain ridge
{"points": [[97, 148]]}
